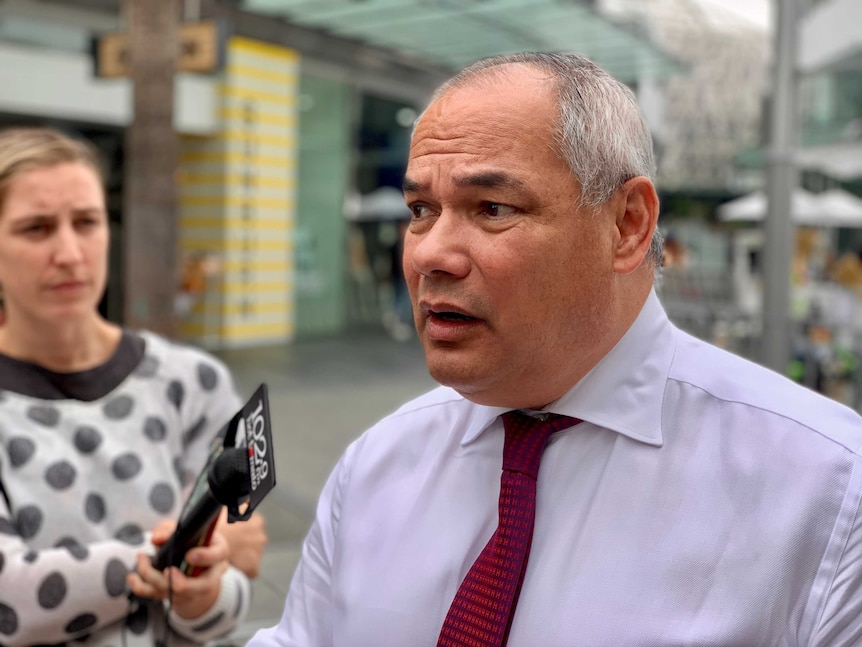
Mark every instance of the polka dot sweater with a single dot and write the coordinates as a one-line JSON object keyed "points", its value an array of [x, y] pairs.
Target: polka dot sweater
{"points": [[84, 480]]}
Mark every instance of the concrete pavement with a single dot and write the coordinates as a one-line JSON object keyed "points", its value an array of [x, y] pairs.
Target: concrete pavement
{"points": [[323, 394]]}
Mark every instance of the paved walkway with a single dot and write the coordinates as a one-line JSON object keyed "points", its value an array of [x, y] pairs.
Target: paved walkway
{"points": [[323, 394]]}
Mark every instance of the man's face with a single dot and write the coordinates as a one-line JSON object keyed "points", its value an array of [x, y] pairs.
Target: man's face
{"points": [[511, 282]]}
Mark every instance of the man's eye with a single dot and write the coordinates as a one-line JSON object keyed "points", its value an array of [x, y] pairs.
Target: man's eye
{"points": [[420, 210], [497, 210]]}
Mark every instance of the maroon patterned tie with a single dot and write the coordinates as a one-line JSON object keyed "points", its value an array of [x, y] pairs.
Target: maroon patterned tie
{"points": [[482, 611]]}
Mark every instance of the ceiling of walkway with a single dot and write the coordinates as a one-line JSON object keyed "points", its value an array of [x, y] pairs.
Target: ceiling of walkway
{"points": [[453, 33]]}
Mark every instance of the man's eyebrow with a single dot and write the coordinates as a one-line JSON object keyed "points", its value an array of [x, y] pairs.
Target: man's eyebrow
{"points": [[410, 186], [491, 180], [488, 179]]}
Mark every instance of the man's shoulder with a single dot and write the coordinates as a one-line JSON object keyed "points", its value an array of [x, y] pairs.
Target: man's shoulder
{"points": [[765, 395]]}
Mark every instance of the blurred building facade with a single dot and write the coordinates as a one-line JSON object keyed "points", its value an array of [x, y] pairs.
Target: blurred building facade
{"points": [[830, 63], [714, 110], [310, 111]]}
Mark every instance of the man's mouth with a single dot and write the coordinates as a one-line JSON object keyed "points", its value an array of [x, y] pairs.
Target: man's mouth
{"points": [[451, 316]]}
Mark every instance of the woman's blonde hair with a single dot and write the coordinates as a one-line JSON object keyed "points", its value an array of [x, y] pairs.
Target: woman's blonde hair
{"points": [[25, 149]]}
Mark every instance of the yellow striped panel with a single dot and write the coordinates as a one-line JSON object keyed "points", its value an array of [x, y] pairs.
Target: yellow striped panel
{"points": [[238, 159], [265, 50], [269, 118], [286, 204], [230, 309], [260, 95], [258, 139], [233, 285], [280, 78], [263, 265], [281, 181], [267, 224], [254, 298], [231, 244]]}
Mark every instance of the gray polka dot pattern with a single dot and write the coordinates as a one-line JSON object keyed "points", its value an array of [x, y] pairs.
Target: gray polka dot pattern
{"points": [[139, 619], [207, 377], [126, 466], [94, 508], [44, 415], [29, 521], [155, 429], [74, 547], [81, 623], [130, 534], [8, 620], [87, 439], [194, 432], [182, 474], [115, 578], [86, 480], [60, 475], [162, 498], [176, 393], [52, 591], [148, 367], [20, 450], [7, 527], [119, 408]]}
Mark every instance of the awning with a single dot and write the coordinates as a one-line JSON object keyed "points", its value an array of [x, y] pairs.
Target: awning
{"points": [[454, 33]]}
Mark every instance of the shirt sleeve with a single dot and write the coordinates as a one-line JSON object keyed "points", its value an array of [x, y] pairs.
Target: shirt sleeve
{"points": [[89, 581], [308, 611], [839, 623], [222, 617]]}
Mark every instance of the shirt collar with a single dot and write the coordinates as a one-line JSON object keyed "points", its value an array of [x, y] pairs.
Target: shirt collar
{"points": [[624, 392]]}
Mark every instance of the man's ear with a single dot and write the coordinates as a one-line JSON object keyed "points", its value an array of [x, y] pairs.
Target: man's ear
{"points": [[636, 219]]}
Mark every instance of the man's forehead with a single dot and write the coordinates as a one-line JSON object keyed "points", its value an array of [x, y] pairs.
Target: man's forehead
{"points": [[504, 87]]}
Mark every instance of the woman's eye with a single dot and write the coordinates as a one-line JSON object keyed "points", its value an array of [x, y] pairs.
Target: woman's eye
{"points": [[497, 210], [36, 229]]}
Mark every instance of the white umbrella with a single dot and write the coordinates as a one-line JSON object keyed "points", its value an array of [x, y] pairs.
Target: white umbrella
{"points": [[833, 208], [839, 208], [384, 203], [752, 207]]}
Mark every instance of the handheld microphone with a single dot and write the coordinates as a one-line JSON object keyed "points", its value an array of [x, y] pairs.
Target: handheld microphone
{"points": [[227, 482], [241, 471]]}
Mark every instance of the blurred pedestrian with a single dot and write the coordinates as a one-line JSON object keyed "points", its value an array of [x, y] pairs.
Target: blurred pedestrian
{"points": [[684, 497], [102, 431]]}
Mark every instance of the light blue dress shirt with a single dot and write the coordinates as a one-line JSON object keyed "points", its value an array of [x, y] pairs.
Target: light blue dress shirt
{"points": [[703, 501]]}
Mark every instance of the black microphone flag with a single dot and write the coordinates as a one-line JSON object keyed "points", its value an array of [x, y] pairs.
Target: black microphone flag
{"points": [[240, 472]]}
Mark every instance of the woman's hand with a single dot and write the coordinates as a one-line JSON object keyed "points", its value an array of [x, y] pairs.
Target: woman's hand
{"points": [[246, 541], [191, 597]]}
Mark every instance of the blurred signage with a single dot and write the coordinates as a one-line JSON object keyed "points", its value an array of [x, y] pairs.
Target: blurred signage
{"points": [[201, 49]]}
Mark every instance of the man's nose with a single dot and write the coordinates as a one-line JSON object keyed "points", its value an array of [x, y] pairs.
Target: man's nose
{"points": [[442, 248]]}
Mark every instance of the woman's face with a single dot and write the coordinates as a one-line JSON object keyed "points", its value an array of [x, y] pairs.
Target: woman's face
{"points": [[53, 243]]}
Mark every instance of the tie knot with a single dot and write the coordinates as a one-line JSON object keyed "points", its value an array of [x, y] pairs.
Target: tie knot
{"points": [[526, 437]]}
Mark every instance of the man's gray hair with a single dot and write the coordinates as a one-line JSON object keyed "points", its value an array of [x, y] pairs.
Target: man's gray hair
{"points": [[601, 132]]}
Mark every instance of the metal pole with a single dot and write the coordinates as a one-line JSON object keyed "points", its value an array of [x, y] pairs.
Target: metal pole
{"points": [[782, 179]]}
